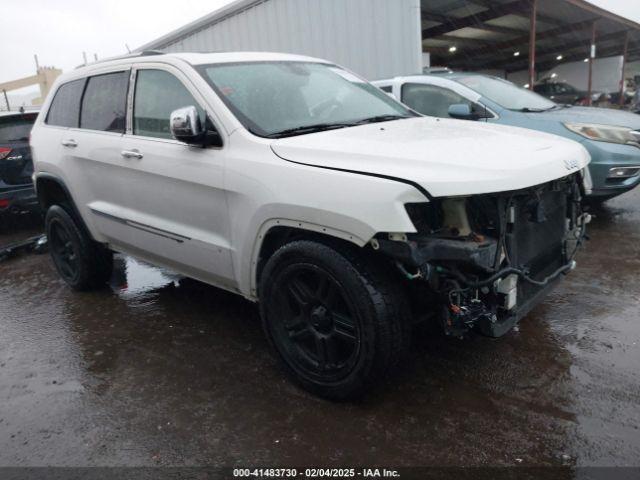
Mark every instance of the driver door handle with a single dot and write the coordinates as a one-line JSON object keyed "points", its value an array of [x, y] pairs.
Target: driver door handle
{"points": [[69, 143], [131, 154]]}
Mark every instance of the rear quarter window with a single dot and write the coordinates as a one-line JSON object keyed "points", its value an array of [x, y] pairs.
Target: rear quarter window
{"points": [[65, 107]]}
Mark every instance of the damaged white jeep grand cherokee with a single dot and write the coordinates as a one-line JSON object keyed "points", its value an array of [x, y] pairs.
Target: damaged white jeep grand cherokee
{"points": [[295, 183]]}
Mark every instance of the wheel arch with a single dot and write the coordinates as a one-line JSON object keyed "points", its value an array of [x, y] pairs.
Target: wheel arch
{"points": [[51, 190], [278, 232]]}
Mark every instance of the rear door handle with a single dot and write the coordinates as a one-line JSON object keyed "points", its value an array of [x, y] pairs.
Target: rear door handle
{"points": [[70, 143], [131, 154]]}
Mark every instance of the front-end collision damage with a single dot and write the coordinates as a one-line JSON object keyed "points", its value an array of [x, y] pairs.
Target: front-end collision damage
{"points": [[490, 258]]}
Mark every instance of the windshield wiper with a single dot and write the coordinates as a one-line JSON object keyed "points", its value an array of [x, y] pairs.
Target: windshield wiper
{"points": [[319, 127], [381, 118]]}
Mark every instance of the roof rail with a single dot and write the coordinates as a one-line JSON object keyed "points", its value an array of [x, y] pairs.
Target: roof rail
{"points": [[146, 53], [143, 53]]}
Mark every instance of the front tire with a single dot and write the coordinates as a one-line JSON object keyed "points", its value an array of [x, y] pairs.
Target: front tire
{"points": [[338, 322], [82, 263]]}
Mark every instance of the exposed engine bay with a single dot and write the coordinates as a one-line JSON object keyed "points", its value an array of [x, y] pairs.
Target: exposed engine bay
{"points": [[488, 259]]}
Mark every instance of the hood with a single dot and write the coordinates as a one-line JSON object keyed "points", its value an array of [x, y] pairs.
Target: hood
{"points": [[602, 116], [446, 157]]}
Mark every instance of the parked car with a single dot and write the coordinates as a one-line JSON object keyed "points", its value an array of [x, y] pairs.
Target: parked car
{"points": [[628, 94], [610, 136], [564, 93], [295, 183], [16, 187]]}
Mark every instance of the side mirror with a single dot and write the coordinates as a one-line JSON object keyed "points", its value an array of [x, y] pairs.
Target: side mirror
{"points": [[185, 125], [461, 111]]}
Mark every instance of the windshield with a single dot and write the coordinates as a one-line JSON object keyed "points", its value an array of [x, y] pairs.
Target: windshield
{"points": [[277, 99], [16, 128], [506, 94]]}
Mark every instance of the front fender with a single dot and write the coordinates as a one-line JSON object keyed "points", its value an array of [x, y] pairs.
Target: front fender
{"points": [[345, 225], [265, 191]]}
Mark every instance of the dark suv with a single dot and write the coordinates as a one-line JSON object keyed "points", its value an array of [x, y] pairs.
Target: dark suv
{"points": [[563, 93], [16, 187]]}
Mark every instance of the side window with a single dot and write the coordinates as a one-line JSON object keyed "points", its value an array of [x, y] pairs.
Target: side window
{"points": [[481, 111], [157, 94], [104, 103], [430, 100], [387, 88], [65, 107]]}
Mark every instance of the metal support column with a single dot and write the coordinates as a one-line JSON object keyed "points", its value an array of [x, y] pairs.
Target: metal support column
{"points": [[592, 56], [625, 53], [6, 99], [532, 43]]}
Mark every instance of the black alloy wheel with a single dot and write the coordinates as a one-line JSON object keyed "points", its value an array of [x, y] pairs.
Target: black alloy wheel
{"points": [[64, 252], [318, 326], [336, 318], [81, 262]]}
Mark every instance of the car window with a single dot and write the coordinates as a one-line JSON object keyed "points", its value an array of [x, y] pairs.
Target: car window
{"points": [[65, 107], [157, 94], [16, 128], [280, 98], [565, 88], [505, 93], [386, 88], [546, 89], [104, 102], [430, 99]]}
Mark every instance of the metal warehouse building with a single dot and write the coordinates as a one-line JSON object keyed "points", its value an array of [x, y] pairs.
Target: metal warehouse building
{"points": [[353, 33], [522, 40]]}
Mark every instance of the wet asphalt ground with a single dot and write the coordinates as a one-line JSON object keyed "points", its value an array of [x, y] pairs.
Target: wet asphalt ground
{"points": [[157, 370]]}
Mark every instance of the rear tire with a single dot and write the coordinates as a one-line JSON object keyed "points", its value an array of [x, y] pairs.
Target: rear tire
{"points": [[82, 263], [338, 321]]}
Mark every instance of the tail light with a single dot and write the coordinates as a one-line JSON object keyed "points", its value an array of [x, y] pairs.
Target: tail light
{"points": [[4, 152]]}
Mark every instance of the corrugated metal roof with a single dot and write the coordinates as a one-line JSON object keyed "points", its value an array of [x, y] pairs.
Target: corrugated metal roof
{"points": [[494, 34]]}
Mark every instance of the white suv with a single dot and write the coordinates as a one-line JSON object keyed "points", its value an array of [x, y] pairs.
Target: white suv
{"points": [[295, 183]]}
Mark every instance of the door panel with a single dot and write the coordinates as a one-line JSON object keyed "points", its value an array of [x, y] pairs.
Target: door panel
{"points": [[177, 206], [100, 177], [92, 151]]}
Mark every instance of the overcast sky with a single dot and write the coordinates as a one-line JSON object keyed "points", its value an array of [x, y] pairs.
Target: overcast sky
{"points": [[59, 31]]}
